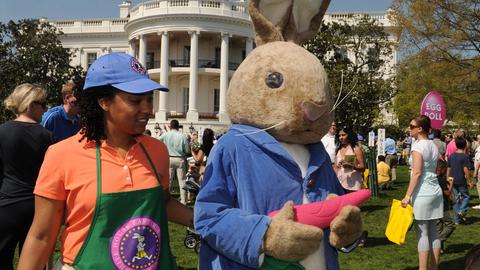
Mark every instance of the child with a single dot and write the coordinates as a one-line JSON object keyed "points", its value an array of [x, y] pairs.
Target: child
{"points": [[445, 225], [459, 169], [384, 173]]}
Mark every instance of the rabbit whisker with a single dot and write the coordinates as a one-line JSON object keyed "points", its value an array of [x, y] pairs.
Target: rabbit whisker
{"points": [[339, 92], [349, 92], [265, 129]]}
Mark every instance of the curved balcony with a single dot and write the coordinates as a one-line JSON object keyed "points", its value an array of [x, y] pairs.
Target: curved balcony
{"points": [[225, 8], [202, 63]]}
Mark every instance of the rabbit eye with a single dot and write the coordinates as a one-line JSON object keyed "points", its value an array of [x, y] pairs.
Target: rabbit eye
{"points": [[274, 80]]}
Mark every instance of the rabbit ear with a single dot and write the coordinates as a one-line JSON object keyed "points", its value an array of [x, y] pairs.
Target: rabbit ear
{"points": [[286, 20], [307, 22], [265, 30]]}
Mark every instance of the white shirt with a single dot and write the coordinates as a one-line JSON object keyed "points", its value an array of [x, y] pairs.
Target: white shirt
{"points": [[329, 143]]}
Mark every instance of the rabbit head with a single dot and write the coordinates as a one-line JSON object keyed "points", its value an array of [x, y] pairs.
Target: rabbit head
{"points": [[281, 86]]}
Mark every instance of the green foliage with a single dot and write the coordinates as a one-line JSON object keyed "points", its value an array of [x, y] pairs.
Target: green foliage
{"points": [[443, 43], [354, 56], [422, 73], [30, 51]]}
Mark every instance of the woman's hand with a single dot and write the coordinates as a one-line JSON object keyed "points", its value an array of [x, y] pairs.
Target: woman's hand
{"points": [[338, 165], [348, 165], [405, 201]]}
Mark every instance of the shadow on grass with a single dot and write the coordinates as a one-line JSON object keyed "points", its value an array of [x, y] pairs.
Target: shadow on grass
{"points": [[371, 208], [451, 264], [377, 241], [446, 265], [458, 248], [471, 220]]}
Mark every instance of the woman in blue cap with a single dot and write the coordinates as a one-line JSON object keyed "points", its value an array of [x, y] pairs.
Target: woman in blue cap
{"points": [[112, 192]]}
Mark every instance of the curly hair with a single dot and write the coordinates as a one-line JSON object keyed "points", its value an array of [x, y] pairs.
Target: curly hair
{"points": [[351, 137], [92, 120]]}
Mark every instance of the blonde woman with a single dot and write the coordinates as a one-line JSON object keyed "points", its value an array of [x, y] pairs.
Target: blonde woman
{"points": [[23, 143]]}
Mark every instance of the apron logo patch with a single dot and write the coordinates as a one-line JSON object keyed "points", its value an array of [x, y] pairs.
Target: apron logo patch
{"points": [[136, 244]]}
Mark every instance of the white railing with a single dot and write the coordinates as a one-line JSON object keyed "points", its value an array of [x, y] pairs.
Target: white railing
{"points": [[91, 26], [380, 17], [235, 9], [92, 23], [152, 5], [177, 3], [119, 21], [211, 4], [64, 23]]}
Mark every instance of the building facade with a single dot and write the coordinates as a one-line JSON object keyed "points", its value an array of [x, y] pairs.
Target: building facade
{"points": [[191, 46]]}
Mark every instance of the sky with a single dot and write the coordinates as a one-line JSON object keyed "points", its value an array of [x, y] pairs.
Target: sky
{"points": [[96, 9]]}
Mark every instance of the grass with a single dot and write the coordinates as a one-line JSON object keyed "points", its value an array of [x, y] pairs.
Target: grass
{"points": [[379, 253], [382, 254]]}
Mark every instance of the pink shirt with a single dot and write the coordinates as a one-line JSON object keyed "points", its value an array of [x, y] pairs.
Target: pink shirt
{"points": [[349, 179], [451, 148]]}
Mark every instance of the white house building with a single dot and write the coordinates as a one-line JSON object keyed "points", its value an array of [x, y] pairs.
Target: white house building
{"points": [[191, 46]]}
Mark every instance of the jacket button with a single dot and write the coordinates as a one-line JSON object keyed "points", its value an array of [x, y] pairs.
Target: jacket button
{"points": [[310, 183]]}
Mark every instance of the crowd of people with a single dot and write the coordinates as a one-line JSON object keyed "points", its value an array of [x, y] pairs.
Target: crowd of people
{"points": [[102, 167], [440, 177]]}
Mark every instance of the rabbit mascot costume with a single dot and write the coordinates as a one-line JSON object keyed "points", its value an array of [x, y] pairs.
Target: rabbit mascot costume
{"points": [[272, 158]]}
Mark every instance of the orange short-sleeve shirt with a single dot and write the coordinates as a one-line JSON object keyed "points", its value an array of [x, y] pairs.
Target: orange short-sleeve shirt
{"points": [[68, 173]]}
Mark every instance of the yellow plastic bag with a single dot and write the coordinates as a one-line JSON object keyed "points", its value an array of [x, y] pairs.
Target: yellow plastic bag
{"points": [[365, 179], [399, 222]]}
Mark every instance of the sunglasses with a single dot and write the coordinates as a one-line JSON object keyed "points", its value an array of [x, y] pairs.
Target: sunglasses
{"points": [[412, 126], [41, 103]]}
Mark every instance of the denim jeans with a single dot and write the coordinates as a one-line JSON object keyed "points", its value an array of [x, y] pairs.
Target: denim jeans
{"points": [[460, 190]]}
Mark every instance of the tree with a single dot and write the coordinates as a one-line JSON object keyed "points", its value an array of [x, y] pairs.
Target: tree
{"points": [[355, 56], [30, 51], [422, 73], [442, 39]]}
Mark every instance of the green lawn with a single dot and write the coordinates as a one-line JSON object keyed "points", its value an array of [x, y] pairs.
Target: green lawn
{"points": [[379, 252]]}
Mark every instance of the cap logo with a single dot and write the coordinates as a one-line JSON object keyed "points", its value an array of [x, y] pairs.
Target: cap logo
{"points": [[137, 67]]}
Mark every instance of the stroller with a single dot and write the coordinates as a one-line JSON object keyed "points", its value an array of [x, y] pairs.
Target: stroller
{"points": [[193, 178], [192, 186], [192, 240]]}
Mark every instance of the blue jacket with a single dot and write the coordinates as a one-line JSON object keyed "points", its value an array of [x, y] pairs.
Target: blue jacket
{"points": [[57, 121], [247, 177]]}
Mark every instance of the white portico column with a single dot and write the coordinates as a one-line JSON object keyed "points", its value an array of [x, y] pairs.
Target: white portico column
{"points": [[131, 47], [161, 115], [81, 62], [248, 46], [222, 112], [142, 50], [192, 114]]}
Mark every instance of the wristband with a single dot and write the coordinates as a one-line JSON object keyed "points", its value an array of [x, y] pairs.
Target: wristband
{"points": [[407, 197]]}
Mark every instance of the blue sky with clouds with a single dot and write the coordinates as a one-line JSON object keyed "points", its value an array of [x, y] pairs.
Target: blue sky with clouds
{"points": [[85, 9]]}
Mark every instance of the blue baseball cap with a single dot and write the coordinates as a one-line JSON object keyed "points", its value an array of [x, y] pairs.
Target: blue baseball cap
{"points": [[121, 71]]}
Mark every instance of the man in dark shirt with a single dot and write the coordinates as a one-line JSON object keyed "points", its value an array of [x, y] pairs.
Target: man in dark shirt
{"points": [[458, 169]]}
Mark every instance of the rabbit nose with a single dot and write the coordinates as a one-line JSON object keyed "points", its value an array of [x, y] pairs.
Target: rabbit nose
{"points": [[313, 111]]}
